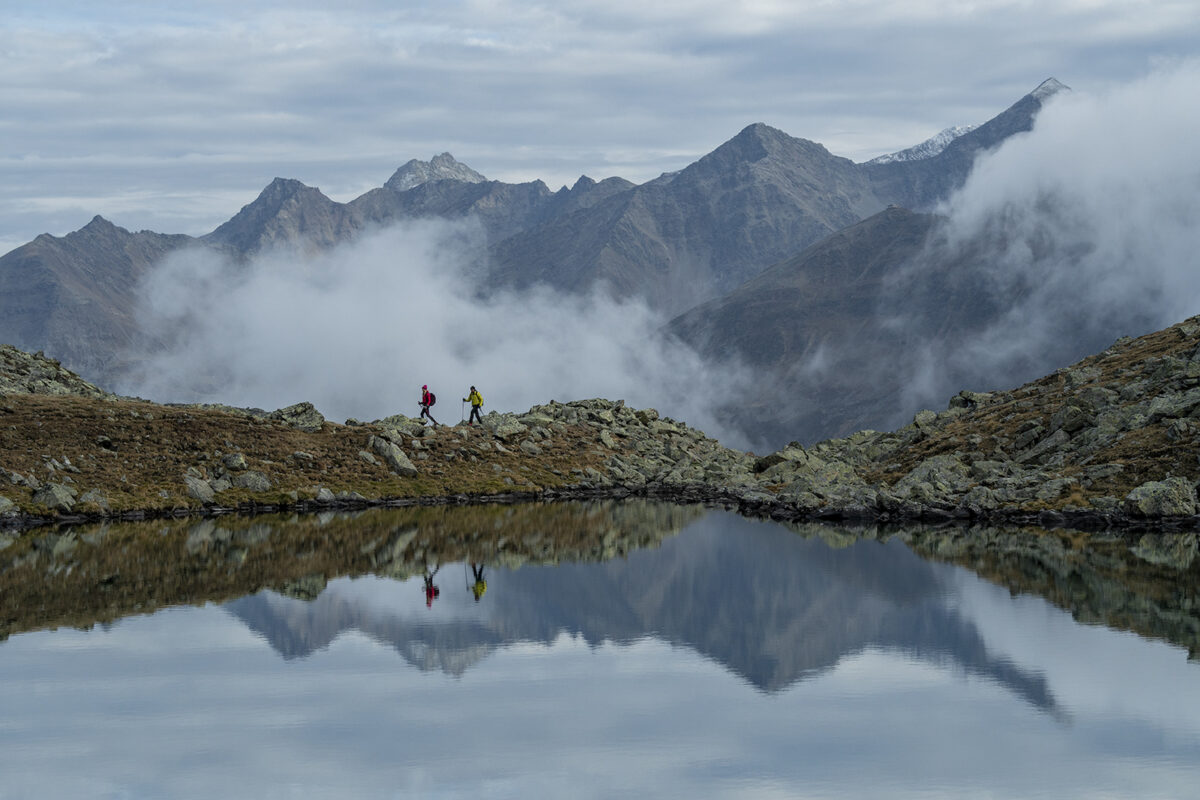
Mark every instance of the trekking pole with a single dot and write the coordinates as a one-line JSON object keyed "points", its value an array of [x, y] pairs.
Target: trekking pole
{"points": [[462, 412]]}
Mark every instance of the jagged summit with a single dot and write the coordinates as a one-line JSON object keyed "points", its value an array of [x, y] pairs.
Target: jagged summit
{"points": [[439, 168], [285, 211], [1049, 88], [759, 134], [757, 142], [99, 222], [282, 187], [270, 201]]}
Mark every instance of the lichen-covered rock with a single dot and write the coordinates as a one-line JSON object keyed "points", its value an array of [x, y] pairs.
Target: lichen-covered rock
{"points": [[398, 423], [23, 373], [234, 462], [6, 505], [301, 416], [831, 481], [1167, 498], [1072, 418], [969, 400], [393, 456], [198, 489], [253, 480], [938, 481], [96, 498], [507, 428], [56, 496]]}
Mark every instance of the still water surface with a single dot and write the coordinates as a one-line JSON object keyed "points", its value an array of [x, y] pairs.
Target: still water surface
{"points": [[707, 656]]}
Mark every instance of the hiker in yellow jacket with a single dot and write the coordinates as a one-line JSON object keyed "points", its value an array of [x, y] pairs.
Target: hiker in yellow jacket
{"points": [[476, 400], [480, 585]]}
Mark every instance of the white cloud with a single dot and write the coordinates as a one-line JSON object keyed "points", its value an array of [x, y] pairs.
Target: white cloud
{"points": [[1089, 225], [358, 330]]}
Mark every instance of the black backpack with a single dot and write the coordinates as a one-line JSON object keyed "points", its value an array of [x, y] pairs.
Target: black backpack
{"points": [[432, 398]]}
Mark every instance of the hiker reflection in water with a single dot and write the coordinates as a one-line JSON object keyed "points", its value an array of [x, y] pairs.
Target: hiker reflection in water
{"points": [[431, 592], [480, 584]]}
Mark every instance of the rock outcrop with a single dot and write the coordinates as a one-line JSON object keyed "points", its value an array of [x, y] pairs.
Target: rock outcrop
{"points": [[25, 373], [1110, 441]]}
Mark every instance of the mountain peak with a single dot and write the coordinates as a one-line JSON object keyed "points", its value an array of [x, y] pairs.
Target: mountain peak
{"points": [[1049, 88], [760, 132], [285, 201], [752, 143], [440, 168], [99, 226], [282, 188], [98, 223]]}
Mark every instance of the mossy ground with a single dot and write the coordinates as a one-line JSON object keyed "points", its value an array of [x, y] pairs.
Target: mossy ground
{"points": [[1146, 454], [102, 572], [137, 453]]}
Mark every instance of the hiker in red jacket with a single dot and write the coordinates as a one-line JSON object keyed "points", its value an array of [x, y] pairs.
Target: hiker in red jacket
{"points": [[432, 592], [428, 398]]}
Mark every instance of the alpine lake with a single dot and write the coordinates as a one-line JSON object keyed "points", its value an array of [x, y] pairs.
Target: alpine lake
{"points": [[594, 650]]}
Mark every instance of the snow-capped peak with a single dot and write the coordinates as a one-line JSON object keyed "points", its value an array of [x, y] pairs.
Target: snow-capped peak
{"points": [[926, 149], [441, 167]]}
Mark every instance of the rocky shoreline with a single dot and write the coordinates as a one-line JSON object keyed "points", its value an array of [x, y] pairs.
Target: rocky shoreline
{"points": [[1108, 443]]}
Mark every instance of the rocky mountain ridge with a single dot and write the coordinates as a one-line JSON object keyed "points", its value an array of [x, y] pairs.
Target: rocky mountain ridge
{"points": [[1110, 441]]}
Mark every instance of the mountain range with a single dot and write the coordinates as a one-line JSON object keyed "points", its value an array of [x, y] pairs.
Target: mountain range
{"points": [[766, 249], [757, 600]]}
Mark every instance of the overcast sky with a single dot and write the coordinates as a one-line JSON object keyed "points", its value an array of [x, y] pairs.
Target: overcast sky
{"points": [[171, 116]]}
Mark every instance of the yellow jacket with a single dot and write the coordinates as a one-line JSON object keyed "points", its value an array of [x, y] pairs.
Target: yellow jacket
{"points": [[476, 398]]}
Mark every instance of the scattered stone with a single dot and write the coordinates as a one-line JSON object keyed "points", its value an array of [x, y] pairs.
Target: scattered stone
{"points": [[55, 496], [393, 456], [508, 429], [96, 497], [199, 489], [1171, 498], [234, 462], [252, 480], [301, 416]]}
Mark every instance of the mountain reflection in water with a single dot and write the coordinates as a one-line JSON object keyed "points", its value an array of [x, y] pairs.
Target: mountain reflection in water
{"points": [[619, 648], [772, 608]]}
